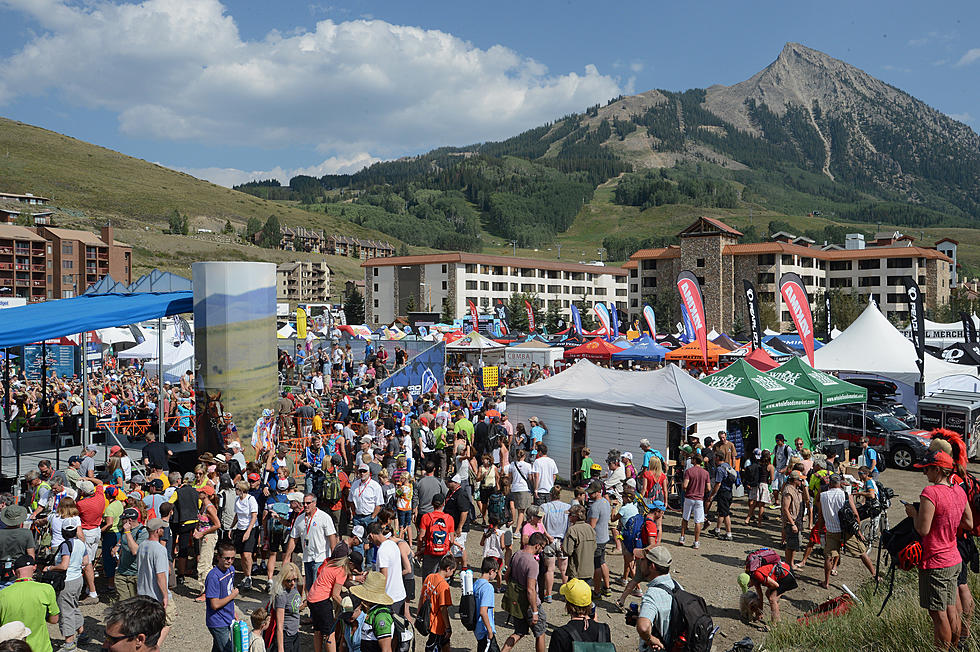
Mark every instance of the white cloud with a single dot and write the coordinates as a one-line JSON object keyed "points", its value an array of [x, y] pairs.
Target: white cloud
{"points": [[179, 70], [961, 117], [969, 57], [637, 66], [932, 37], [229, 177]]}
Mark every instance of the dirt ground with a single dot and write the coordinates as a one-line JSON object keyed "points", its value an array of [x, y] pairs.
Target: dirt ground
{"points": [[710, 572]]}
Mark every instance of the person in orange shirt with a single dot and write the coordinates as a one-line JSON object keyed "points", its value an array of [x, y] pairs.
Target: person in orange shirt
{"points": [[436, 588]]}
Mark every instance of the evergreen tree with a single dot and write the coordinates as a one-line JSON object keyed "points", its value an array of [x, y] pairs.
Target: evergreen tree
{"points": [[552, 316], [354, 307], [229, 229], [271, 233], [178, 223], [518, 311], [253, 226], [447, 315]]}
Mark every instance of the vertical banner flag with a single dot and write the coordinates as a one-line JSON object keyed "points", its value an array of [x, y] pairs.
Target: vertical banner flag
{"points": [[602, 313], [969, 328], [830, 316], [576, 320], [918, 324], [501, 309], [688, 335], [614, 321], [651, 320], [474, 316], [300, 323], [755, 324], [794, 295], [690, 291], [531, 326]]}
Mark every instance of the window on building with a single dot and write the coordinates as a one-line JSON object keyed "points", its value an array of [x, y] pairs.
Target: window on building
{"points": [[470, 285], [767, 259], [484, 301], [485, 285], [375, 271], [578, 289], [634, 303], [807, 280], [787, 259], [840, 265], [869, 281], [649, 281], [899, 263], [634, 273], [68, 264], [922, 281], [649, 265], [445, 285], [634, 287], [767, 296], [68, 248], [540, 287], [767, 277], [375, 303], [376, 287], [840, 282], [869, 263], [599, 292], [896, 297], [554, 289], [787, 316], [566, 289], [470, 268], [67, 294], [513, 287], [620, 292], [445, 268], [567, 303], [700, 262], [527, 287], [67, 279], [895, 280], [499, 287], [701, 280]]}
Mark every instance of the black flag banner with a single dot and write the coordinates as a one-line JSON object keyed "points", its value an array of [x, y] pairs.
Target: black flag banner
{"points": [[917, 321], [755, 325], [830, 316], [969, 329]]}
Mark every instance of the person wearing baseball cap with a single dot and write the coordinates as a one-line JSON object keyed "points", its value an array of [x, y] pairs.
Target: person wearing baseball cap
{"points": [[791, 510], [581, 626], [132, 534], [832, 500], [32, 603], [153, 574], [942, 509], [657, 601]]}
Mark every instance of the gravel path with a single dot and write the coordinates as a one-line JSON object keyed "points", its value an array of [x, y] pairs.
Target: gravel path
{"points": [[710, 572]]}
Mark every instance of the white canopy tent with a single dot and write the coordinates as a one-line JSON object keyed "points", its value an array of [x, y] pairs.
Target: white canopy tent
{"points": [[621, 407], [871, 347], [176, 362], [533, 352], [149, 347], [941, 335], [475, 346]]}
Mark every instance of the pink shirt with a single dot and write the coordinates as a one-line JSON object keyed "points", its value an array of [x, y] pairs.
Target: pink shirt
{"points": [[939, 546], [529, 529]]}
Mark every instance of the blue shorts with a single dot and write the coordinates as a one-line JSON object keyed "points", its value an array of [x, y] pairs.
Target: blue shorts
{"points": [[404, 517]]}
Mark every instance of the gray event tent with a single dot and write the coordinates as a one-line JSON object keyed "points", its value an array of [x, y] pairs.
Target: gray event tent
{"points": [[621, 408]]}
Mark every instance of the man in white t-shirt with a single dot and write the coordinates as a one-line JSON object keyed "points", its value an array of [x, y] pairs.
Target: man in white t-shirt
{"points": [[366, 497], [838, 542], [389, 563], [315, 530], [544, 470]]}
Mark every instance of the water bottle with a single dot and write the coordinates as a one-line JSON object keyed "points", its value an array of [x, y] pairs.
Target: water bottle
{"points": [[240, 636], [467, 579]]}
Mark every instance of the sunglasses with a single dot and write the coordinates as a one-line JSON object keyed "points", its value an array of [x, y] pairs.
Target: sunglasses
{"points": [[112, 640], [309, 502]]}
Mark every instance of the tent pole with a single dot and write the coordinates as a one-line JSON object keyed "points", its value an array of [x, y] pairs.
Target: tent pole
{"points": [[85, 433], [161, 425], [44, 379], [6, 399]]}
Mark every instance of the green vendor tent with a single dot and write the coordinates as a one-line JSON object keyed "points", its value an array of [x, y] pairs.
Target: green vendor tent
{"points": [[832, 390], [783, 407]]}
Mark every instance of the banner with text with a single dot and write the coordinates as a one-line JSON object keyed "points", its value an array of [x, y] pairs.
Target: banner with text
{"points": [[690, 291], [795, 298]]}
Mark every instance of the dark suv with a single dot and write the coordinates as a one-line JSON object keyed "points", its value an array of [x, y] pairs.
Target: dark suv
{"points": [[886, 434]]}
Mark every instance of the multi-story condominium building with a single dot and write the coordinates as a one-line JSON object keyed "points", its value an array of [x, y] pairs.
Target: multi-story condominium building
{"points": [[393, 285], [711, 250], [81, 258], [25, 264], [303, 282]]}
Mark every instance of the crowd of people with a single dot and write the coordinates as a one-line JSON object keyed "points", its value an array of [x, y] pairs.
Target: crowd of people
{"points": [[360, 535]]}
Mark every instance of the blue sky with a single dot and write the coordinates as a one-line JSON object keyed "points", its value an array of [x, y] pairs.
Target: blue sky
{"points": [[234, 90]]}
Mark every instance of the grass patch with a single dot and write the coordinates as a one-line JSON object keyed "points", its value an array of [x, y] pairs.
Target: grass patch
{"points": [[902, 626]]}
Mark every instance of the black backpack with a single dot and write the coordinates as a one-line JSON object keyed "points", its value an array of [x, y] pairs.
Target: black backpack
{"points": [[903, 545], [691, 627], [468, 613]]}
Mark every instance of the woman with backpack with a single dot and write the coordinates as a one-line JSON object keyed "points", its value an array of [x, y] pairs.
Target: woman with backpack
{"points": [[654, 481]]}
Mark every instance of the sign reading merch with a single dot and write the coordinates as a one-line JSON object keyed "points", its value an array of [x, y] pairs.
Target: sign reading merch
{"points": [[426, 372]]}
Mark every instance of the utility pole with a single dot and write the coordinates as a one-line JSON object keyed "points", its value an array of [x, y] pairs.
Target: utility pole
{"points": [[559, 251], [514, 243]]}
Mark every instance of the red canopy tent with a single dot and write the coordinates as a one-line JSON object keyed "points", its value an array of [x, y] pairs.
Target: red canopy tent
{"points": [[761, 360], [597, 349]]}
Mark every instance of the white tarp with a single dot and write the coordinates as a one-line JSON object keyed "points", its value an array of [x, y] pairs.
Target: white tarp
{"points": [[528, 353], [872, 345], [148, 348], [176, 362], [669, 394]]}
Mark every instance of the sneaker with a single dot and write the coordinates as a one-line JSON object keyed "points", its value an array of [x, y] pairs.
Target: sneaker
{"points": [[89, 599], [697, 544], [247, 583], [69, 647], [547, 600], [716, 532], [681, 540], [728, 537]]}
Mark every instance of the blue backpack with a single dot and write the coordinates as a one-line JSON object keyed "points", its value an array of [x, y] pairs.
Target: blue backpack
{"points": [[633, 532]]}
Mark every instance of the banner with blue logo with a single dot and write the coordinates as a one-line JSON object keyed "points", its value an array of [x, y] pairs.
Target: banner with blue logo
{"points": [[61, 360], [688, 335], [426, 372]]}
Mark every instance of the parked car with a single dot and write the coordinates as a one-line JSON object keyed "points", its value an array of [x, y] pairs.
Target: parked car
{"points": [[888, 435], [897, 410]]}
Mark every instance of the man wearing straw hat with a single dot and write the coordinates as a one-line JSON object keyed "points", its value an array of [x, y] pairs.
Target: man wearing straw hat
{"points": [[379, 623]]}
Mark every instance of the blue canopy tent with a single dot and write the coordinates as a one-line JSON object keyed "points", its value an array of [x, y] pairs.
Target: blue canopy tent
{"points": [[644, 349]]}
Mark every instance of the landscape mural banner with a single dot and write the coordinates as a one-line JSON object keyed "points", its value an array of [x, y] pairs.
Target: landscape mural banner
{"points": [[423, 373], [235, 347], [755, 324], [690, 291], [651, 320], [918, 324], [531, 326], [794, 295]]}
